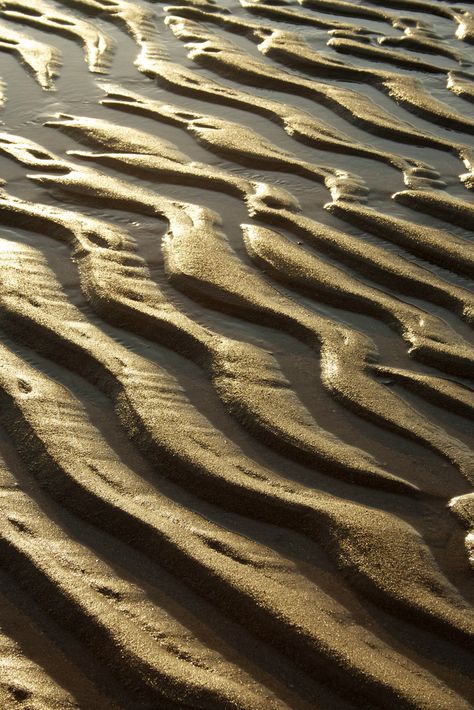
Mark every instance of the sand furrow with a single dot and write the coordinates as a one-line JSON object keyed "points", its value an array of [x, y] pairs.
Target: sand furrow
{"points": [[292, 16], [410, 93], [121, 376], [207, 552], [461, 87], [117, 283], [234, 141], [194, 266], [230, 139], [297, 123], [22, 679], [97, 46], [344, 353], [400, 59], [305, 438], [449, 208], [436, 245], [447, 394], [137, 151], [433, 8], [136, 18], [463, 18], [198, 274], [40, 58], [351, 9], [222, 56], [428, 336], [373, 261], [463, 507], [204, 268], [290, 49], [133, 637], [236, 460], [419, 39], [106, 493]]}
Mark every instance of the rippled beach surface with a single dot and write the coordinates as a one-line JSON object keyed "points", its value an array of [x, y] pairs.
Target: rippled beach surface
{"points": [[236, 309]]}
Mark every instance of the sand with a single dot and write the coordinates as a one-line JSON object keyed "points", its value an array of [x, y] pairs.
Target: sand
{"points": [[236, 353]]}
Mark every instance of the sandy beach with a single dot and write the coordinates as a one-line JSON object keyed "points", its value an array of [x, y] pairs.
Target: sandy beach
{"points": [[236, 355]]}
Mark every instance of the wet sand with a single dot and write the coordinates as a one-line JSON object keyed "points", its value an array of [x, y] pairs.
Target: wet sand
{"points": [[236, 354]]}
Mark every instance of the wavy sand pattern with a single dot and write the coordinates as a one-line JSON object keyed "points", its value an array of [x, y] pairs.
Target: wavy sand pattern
{"points": [[236, 355]]}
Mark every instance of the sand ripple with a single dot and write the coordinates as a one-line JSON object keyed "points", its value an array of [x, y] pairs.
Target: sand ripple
{"points": [[235, 357]]}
